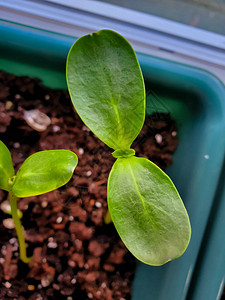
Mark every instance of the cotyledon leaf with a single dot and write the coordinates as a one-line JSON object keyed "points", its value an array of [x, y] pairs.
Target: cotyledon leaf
{"points": [[107, 87], [147, 211], [43, 172], [6, 167]]}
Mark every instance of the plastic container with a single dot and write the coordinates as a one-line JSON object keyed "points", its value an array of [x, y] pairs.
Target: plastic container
{"points": [[195, 99]]}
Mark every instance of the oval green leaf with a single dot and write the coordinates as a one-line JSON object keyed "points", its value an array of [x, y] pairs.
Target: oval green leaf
{"points": [[147, 211], [107, 87], [6, 167], [43, 172]]}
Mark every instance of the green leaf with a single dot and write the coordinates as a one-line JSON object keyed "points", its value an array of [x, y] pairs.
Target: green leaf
{"points": [[147, 211], [6, 167], [43, 172], [107, 87]]}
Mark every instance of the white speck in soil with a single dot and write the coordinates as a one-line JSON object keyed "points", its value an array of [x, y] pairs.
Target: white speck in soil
{"points": [[8, 223], [90, 295], [45, 282], [17, 96], [85, 128], [47, 97], [71, 263], [12, 241], [81, 151], [2, 260], [5, 206], [52, 245], [44, 204], [88, 173], [73, 281], [59, 220], [71, 218], [56, 128], [8, 284], [16, 145], [98, 204], [206, 156], [103, 285], [158, 138], [174, 133]]}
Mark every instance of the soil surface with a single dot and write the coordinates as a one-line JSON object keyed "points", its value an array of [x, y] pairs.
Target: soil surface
{"points": [[75, 254]]}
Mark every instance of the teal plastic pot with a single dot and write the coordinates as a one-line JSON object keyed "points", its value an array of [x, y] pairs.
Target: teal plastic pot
{"points": [[194, 98]]}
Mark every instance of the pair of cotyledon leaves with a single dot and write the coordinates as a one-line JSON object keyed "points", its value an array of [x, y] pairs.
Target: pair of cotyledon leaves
{"points": [[40, 173], [107, 90]]}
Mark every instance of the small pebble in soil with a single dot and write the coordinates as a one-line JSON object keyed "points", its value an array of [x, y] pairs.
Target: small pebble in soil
{"points": [[44, 204], [73, 281], [158, 138], [5, 206], [47, 97], [59, 220], [90, 295], [81, 151], [2, 260], [16, 145], [174, 133], [8, 223], [4, 250], [52, 245], [88, 173], [71, 218], [56, 128], [8, 284], [98, 204], [17, 96], [85, 128]]}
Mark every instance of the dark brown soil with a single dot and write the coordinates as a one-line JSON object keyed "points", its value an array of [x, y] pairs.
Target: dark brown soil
{"points": [[76, 255]]}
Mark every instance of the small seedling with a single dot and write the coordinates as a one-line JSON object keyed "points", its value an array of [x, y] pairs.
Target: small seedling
{"points": [[107, 90], [40, 173]]}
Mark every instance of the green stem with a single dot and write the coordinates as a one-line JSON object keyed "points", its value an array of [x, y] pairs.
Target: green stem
{"points": [[19, 228]]}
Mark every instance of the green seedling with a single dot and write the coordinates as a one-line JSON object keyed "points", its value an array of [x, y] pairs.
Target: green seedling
{"points": [[107, 90], [40, 173]]}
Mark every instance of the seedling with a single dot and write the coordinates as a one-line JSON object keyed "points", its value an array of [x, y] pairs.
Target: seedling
{"points": [[40, 173], [107, 90]]}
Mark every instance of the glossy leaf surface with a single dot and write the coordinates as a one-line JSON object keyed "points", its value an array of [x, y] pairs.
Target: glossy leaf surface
{"points": [[106, 87], [147, 211], [43, 172], [6, 167]]}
